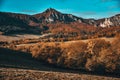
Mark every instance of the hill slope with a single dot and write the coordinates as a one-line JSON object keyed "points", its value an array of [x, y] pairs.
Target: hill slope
{"points": [[18, 65]]}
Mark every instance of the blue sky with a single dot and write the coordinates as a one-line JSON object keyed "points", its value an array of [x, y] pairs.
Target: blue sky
{"points": [[82, 8]]}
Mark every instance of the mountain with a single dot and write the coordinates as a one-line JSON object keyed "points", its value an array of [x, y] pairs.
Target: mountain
{"points": [[49, 20], [51, 15], [109, 22], [16, 23]]}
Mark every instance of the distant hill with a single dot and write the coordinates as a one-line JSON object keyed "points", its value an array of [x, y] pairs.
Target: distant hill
{"points": [[52, 20]]}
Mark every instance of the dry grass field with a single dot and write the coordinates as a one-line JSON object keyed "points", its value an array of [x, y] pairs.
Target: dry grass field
{"points": [[18, 65], [10, 38], [23, 74]]}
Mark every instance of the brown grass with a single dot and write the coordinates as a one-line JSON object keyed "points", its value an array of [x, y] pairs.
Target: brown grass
{"points": [[94, 55], [22, 74]]}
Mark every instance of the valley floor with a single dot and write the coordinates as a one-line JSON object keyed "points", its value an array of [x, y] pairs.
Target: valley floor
{"points": [[10, 38]]}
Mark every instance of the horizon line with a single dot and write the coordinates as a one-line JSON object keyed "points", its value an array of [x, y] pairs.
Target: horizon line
{"points": [[23, 13]]}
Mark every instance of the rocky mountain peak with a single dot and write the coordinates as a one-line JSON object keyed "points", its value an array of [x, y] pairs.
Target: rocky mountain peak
{"points": [[50, 10], [52, 15], [110, 22]]}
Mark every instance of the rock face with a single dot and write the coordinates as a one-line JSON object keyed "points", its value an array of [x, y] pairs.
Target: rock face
{"points": [[15, 23], [106, 23], [51, 15], [109, 22]]}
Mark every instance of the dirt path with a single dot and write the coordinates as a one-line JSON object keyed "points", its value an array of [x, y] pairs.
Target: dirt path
{"points": [[69, 42], [22, 74]]}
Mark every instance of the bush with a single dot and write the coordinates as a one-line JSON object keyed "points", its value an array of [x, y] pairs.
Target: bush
{"points": [[47, 52], [75, 55], [94, 65], [95, 46]]}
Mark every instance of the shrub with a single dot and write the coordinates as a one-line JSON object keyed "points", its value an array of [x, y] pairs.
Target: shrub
{"points": [[47, 52], [75, 55], [94, 65], [111, 57], [95, 46]]}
